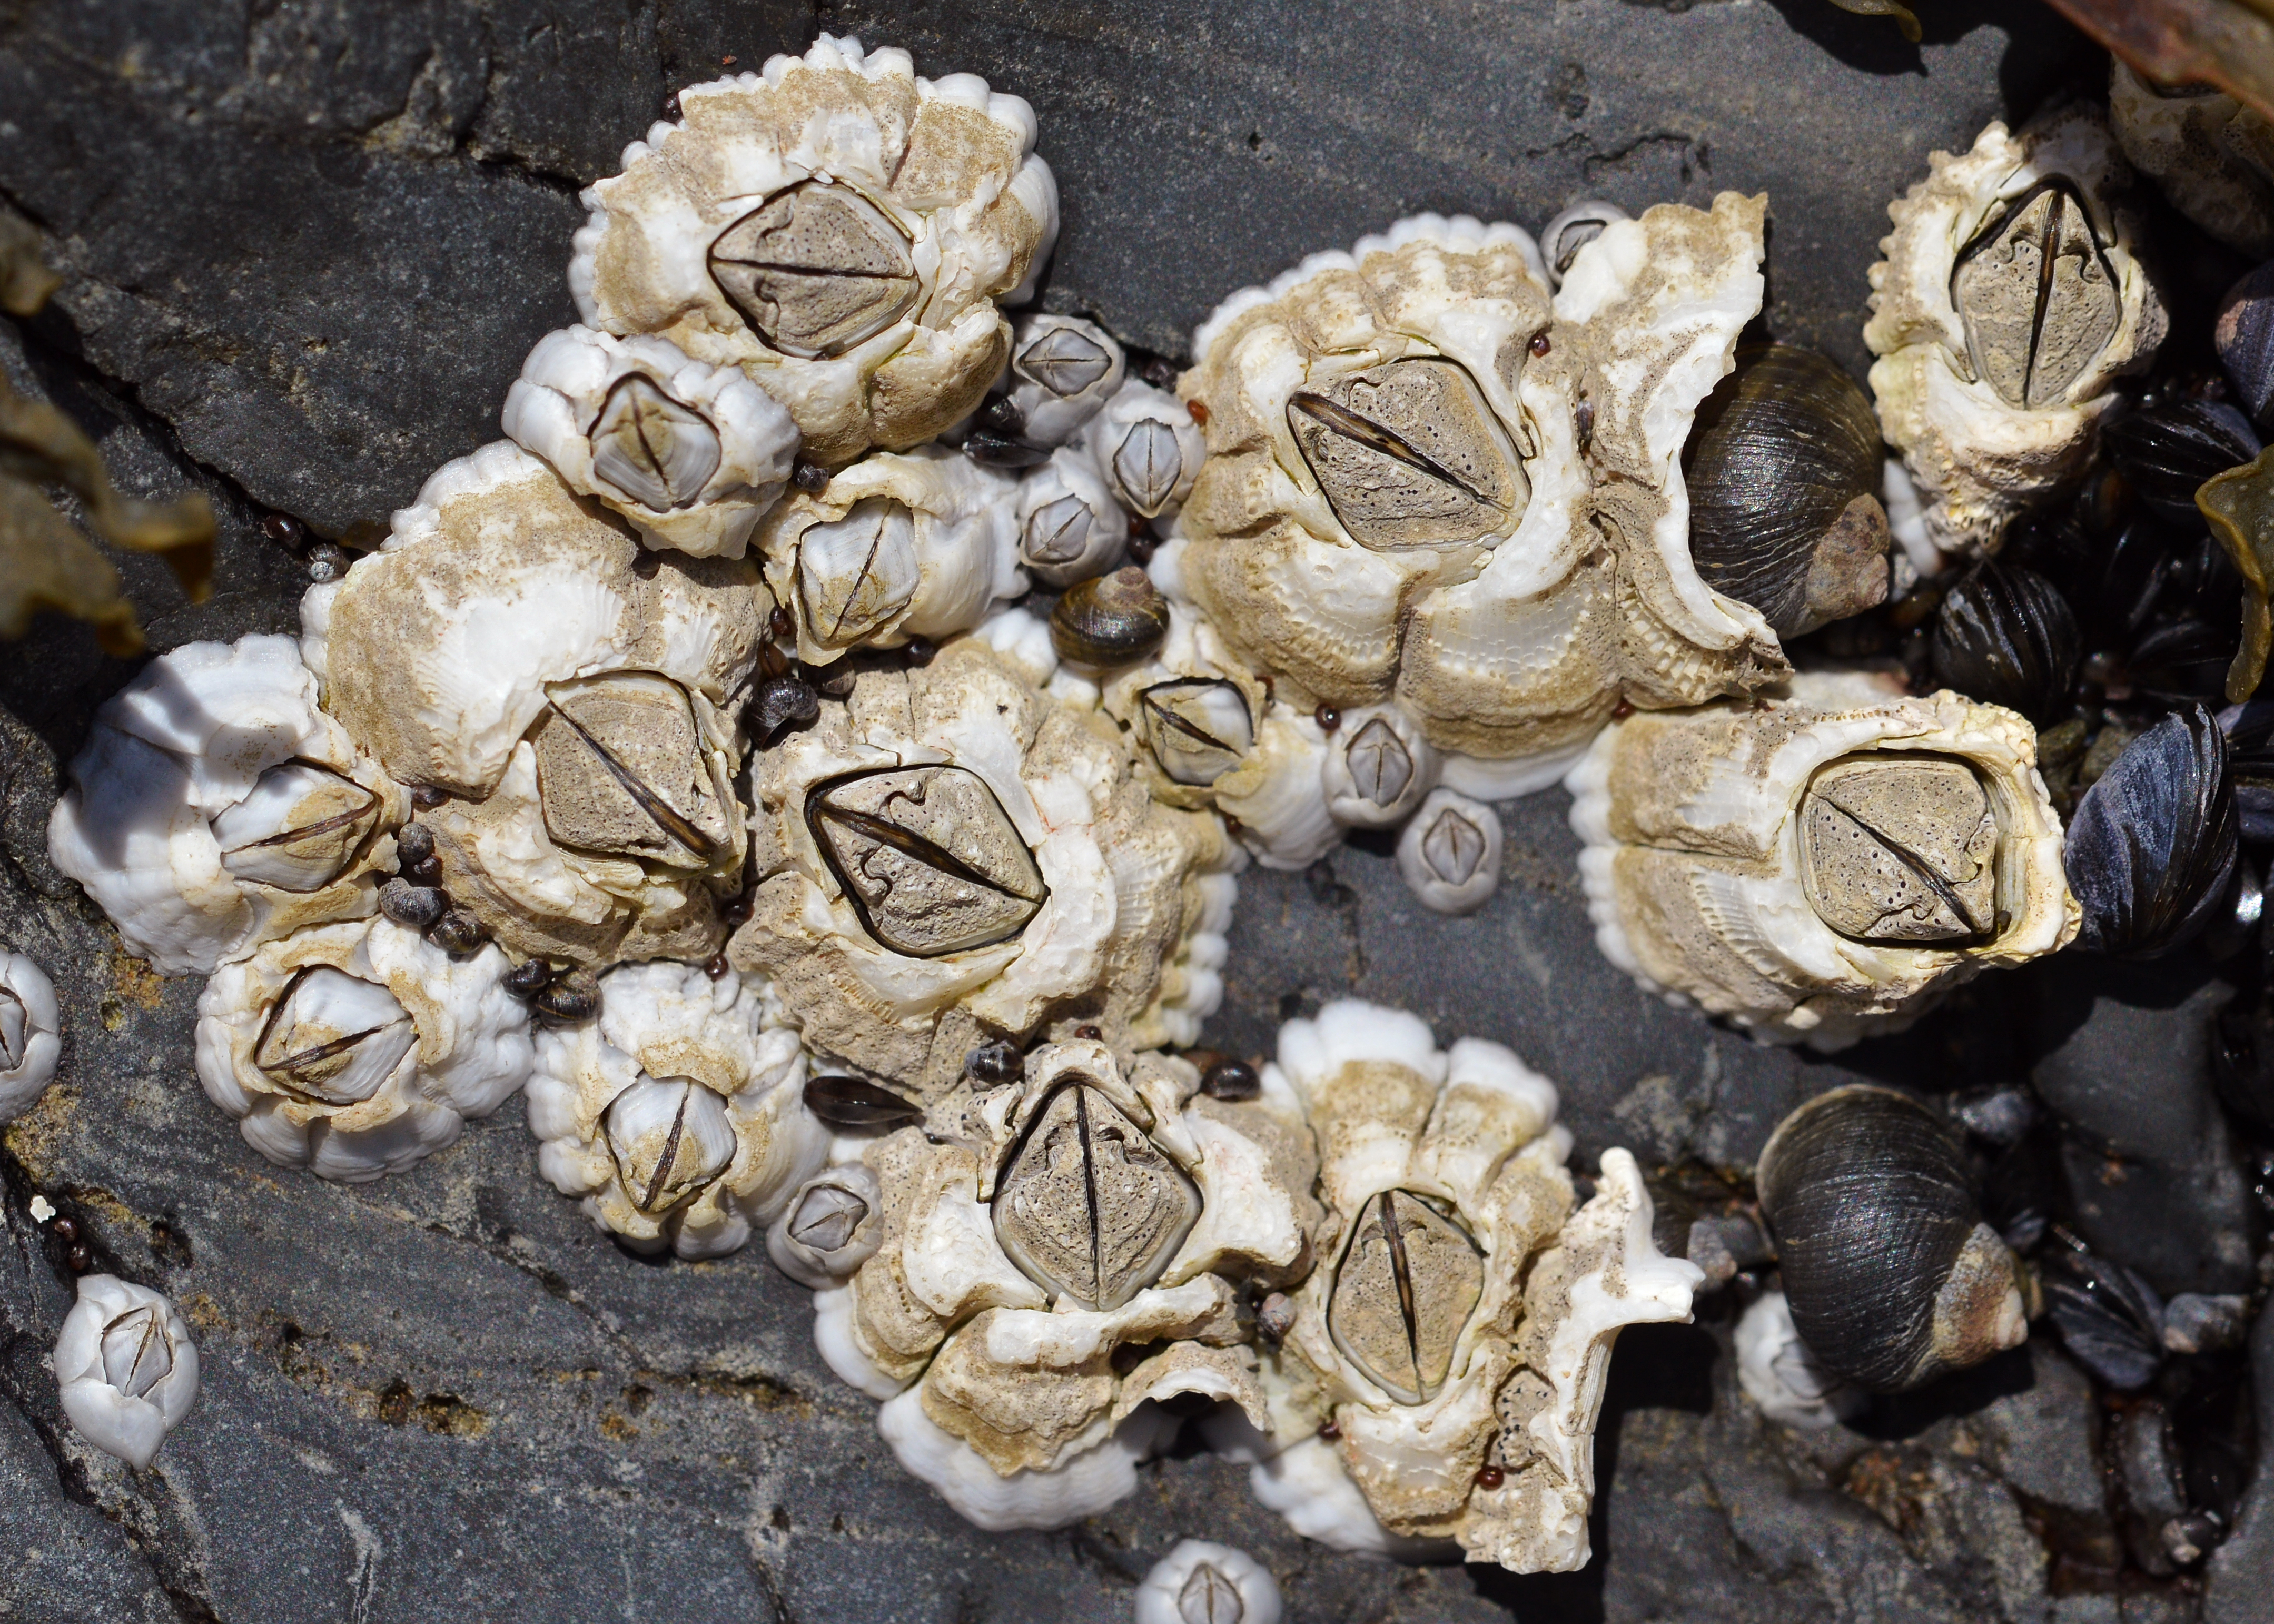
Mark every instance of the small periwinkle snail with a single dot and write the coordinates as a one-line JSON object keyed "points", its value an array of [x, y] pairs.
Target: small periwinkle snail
{"points": [[1783, 467], [1115, 619], [1892, 1275]]}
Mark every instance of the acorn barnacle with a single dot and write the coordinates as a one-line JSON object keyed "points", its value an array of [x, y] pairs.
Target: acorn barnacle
{"points": [[1822, 866], [30, 1034], [837, 227], [1890, 1272], [1202, 1582], [1063, 371], [2009, 302], [125, 1368]]}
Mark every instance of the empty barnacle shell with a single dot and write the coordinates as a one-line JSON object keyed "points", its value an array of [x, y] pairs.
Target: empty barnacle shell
{"points": [[678, 1115], [895, 547], [1397, 505], [1063, 369], [30, 1034], [1784, 469], [836, 227], [2166, 452], [1450, 852], [1198, 729], [215, 806], [1892, 1276], [2239, 505], [2153, 846], [1777, 1372], [1201, 1582], [1562, 237], [2244, 336], [953, 853], [1147, 449], [855, 1105], [2009, 302], [2007, 636], [1115, 619], [1822, 867], [1378, 767], [356, 1049], [1070, 528], [2213, 157], [125, 1368], [689, 453], [832, 1225]]}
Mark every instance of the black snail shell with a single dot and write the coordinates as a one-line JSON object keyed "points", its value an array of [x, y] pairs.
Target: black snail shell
{"points": [[1784, 468], [2168, 450], [2152, 852], [1892, 1275], [1115, 619], [2005, 635]]}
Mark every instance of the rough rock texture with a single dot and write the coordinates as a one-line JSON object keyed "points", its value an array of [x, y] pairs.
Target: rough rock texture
{"points": [[308, 247]]}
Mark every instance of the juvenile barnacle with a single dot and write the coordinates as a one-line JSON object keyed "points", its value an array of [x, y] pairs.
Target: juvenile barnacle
{"points": [[833, 1224], [895, 547], [836, 227], [1145, 448], [30, 1034], [1826, 866], [358, 1049], [1562, 237], [1456, 1330], [1400, 508], [1450, 852], [572, 694], [2009, 301], [1201, 1582], [950, 853], [1378, 767], [215, 806], [690, 454], [1063, 369], [678, 1117], [1070, 527], [125, 1368]]}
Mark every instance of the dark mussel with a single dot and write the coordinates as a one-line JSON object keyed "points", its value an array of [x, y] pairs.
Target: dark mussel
{"points": [[2169, 450], [2109, 1319], [2152, 852], [855, 1105], [1784, 466], [2249, 731], [2007, 636], [2244, 334]]}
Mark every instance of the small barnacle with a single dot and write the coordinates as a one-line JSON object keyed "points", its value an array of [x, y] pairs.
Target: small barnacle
{"points": [[1562, 237], [31, 1029], [1063, 369], [1409, 454], [1378, 767], [1200, 1583], [670, 1138], [655, 450], [816, 269], [1145, 448], [929, 857], [1198, 729], [333, 1037], [1070, 527], [831, 1226], [623, 767], [1450, 853], [126, 1368], [855, 573], [1406, 1286]]}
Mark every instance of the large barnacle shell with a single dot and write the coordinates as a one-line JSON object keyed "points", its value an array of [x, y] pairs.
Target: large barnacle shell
{"points": [[356, 1049], [837, 227], [125, 1367], [1821, 867], [1430, 485], [2009, 301], [921, 544], [215, 806], [949, 849], [690, 454], [1063, 369], [1462, 1313], [2213, 157], [678, 1115], [30, 1034], [1891, 1275], [571, 692], [1075, 1212]]}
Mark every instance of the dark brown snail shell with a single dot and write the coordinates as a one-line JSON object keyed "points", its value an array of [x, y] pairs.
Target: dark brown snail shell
{"points": [[1892, 1275], [1115, 619], [1783, 467], [2152, 852], [2005, 635]]}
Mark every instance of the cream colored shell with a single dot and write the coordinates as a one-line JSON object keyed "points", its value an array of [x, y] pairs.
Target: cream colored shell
{"points": [[1979, 460], [1506, 639], [30, 1034], [2213, 157], [1123, 909], [674, 1024], [202, 731], [1693, 859], [961, 211]]}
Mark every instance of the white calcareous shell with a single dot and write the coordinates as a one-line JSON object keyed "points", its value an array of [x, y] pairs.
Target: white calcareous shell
{"points": [[678, 1115], [1379, 767], [1462, 1313], [30, 1034], [1202, 1582], [922, 544], [1070, 527], [126, 1368], [1778, 1373], [1146, 448], [831, 1225], [2213, 157], [215, 806], [1450, 853], [356, 1050], [690, 454], [1990, 381], [838, 228], [1722, 866], [1062, 370], [1432, 485]]}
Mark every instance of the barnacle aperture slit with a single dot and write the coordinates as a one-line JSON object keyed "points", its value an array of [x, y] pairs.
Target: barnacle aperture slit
{"points": [[816, 269], [1063, 361], [654, 450], [1209, 1597], [332, 1037], [137, 1354], [1453, 847], [621, 768], [1198, 730], [299, 829], [1898, 848], [1058, 532], [1087, 1205], [929, 858], [670, 1137], [1408, 1282], [2037, 296], [1409, 454], [1381, 767]]}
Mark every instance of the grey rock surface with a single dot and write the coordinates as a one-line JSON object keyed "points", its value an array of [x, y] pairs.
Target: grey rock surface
{"points": [[307, 246]]}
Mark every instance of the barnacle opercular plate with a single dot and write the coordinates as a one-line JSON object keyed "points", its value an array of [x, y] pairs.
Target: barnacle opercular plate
{"points": [[836, 226]]}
